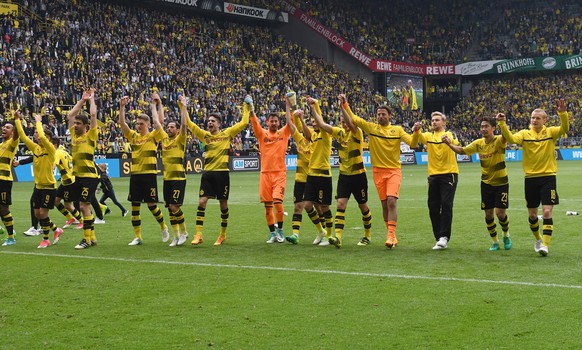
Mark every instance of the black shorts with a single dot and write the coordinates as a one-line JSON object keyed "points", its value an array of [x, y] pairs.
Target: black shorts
{"points": [[143, 188], [541, 189], [83, 189], [174, 191], [494, 196], [43, 198], [318, 189], [353, 184], [215, 184], [5, 192], [298, 191], [65, 192]]}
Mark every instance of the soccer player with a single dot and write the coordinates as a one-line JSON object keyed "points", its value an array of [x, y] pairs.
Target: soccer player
{"points": [[84, 135], [318, 188], [540, 168], [384, 141], [443, 175], [8, 148], [64, 164], [44, 179], [412, 96], [304, 148], [272, 146], [173, 149], [494, 180], [33, 230], [352, 178], [143, 184], [215, 181], [107, 189]]}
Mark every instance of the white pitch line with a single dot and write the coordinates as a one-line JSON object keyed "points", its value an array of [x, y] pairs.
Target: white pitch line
{"points": [[291, 269]]}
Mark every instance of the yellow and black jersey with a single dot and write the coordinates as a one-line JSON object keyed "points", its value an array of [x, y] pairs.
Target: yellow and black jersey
{"points": [[8, 149], [217, 146], [43, 157], [173, 156], [64, 163], [441, 158], [319, 164], [144, 151], [304, 147], [350, 151], [539, 154], [492, 157], [303, 156], [384, 141], [83, 150]]}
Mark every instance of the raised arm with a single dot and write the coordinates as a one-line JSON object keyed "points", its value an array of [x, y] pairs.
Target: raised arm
{"points": [[27, 141], [44, 141], [87, 95], [341, 99], [184, 115], [314, 104], [238, 127], [511, 138], [156, 118], [288, 116], [122, 103], [255, 124], [157, 101], [563, 114], [300, 115], [345, 107], [92, 110]]}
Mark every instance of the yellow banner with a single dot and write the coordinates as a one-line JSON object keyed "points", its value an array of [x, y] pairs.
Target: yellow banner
{"points": [[6, 8]]}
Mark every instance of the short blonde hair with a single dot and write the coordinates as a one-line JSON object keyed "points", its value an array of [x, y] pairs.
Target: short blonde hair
{"points": [[539, 110], [144, 117], [439, 114]]}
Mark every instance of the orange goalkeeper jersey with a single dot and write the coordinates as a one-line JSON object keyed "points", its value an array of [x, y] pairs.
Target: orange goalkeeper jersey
{"points": [[273, 146]]}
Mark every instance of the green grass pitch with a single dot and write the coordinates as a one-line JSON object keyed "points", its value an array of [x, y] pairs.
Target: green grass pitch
{"points": [[248, 294]]}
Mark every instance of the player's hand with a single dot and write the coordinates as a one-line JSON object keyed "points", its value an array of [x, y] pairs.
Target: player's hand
{"points": [[37, 118], [156, 99], [123, 101], [341, 99], [446, 139], [87, 94], [16, 114], [299, 112], [500, 117], [417, 126], [561, 105], [311, 101], [182, 101]]}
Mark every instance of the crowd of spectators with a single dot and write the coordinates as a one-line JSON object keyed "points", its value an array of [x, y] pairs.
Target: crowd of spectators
{"points": [[121, 50], [446, 31], [414, 31], [517, 97], [46, 60]]}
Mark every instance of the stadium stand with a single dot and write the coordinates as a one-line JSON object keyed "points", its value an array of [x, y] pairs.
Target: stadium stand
{"points": [[52, 49]]}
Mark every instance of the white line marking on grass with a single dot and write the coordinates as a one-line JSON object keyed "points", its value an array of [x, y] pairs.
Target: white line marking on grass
{"points": [[291, 269]]}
